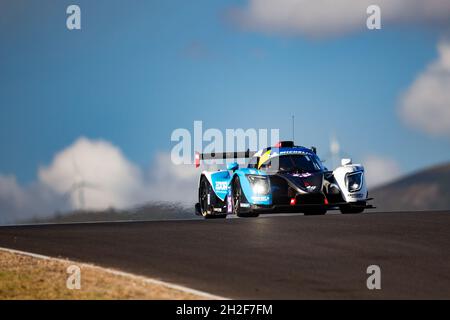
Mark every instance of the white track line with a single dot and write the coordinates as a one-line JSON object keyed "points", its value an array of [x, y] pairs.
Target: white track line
{"points": [[202, 294]]}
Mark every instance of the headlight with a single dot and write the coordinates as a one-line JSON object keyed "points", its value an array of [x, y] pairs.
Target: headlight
{"points": [[354, 181], [260, 184]]}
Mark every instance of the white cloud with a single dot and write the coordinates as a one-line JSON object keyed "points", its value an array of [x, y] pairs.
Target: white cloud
{"points": [[380, 170], [97, 171], [24, 202], [321, 18], [170, 182], [108, 178], [426, 103]]}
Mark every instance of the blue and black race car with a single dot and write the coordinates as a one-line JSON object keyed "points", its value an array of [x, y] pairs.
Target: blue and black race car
{"points": [[283, 178]]}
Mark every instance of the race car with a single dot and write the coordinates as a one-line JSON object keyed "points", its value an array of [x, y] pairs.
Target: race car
{"points": [[283, 178]]}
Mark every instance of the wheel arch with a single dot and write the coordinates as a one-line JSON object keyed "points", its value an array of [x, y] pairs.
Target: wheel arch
{"points": [[245, 185]]}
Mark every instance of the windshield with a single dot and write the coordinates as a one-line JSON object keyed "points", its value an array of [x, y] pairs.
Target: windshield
{"points": [[293, 163]]}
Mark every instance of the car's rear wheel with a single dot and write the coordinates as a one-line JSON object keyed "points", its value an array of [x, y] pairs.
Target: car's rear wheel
{"points": [[205, 191], [237, 197]]}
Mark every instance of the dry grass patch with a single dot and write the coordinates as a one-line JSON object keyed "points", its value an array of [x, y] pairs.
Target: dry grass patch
{"points": [[25, 277]]}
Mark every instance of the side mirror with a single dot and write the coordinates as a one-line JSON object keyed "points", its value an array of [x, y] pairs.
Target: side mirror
{"points": [[346, 161], [233, 166]]}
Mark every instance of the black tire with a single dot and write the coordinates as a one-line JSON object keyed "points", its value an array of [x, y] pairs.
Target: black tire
{"points": [[205, 210], [237, 197]]}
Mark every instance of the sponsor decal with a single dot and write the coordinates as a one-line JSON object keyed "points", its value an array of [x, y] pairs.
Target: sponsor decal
{"points": [[221, 185], [260, 198], [295, 152]]}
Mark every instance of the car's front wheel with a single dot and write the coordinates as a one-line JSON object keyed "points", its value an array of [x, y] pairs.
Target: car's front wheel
{"points": [[205, 192], [237, 197]]}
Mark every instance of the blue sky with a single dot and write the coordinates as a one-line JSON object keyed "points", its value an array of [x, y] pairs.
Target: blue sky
{"points": [[138, 70]]}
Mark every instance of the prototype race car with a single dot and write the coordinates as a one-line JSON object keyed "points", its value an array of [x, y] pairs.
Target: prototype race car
{"points": [[284, 178]]}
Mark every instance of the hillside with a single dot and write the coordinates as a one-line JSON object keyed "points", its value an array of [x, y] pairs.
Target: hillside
{"points": [[427, 189], [150, 211]]}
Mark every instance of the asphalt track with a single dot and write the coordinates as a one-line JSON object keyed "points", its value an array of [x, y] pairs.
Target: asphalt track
{"points": [[276, 257]]}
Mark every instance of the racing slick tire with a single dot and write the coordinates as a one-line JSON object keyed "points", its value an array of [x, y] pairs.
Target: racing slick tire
{"points": [[207, 210], [237, 197]]}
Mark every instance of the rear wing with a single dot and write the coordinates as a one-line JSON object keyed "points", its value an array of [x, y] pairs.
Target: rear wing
{"points": [[222, 155]]}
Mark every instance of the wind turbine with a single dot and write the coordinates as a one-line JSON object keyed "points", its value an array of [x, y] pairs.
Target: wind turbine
{"points": [[335, 149], [78, 187]]}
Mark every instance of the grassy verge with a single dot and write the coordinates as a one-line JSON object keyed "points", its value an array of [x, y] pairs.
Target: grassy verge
{"points": [[25, 277]]}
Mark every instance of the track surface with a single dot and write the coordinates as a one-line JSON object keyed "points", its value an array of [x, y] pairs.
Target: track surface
{"points": [[268, 257]]}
